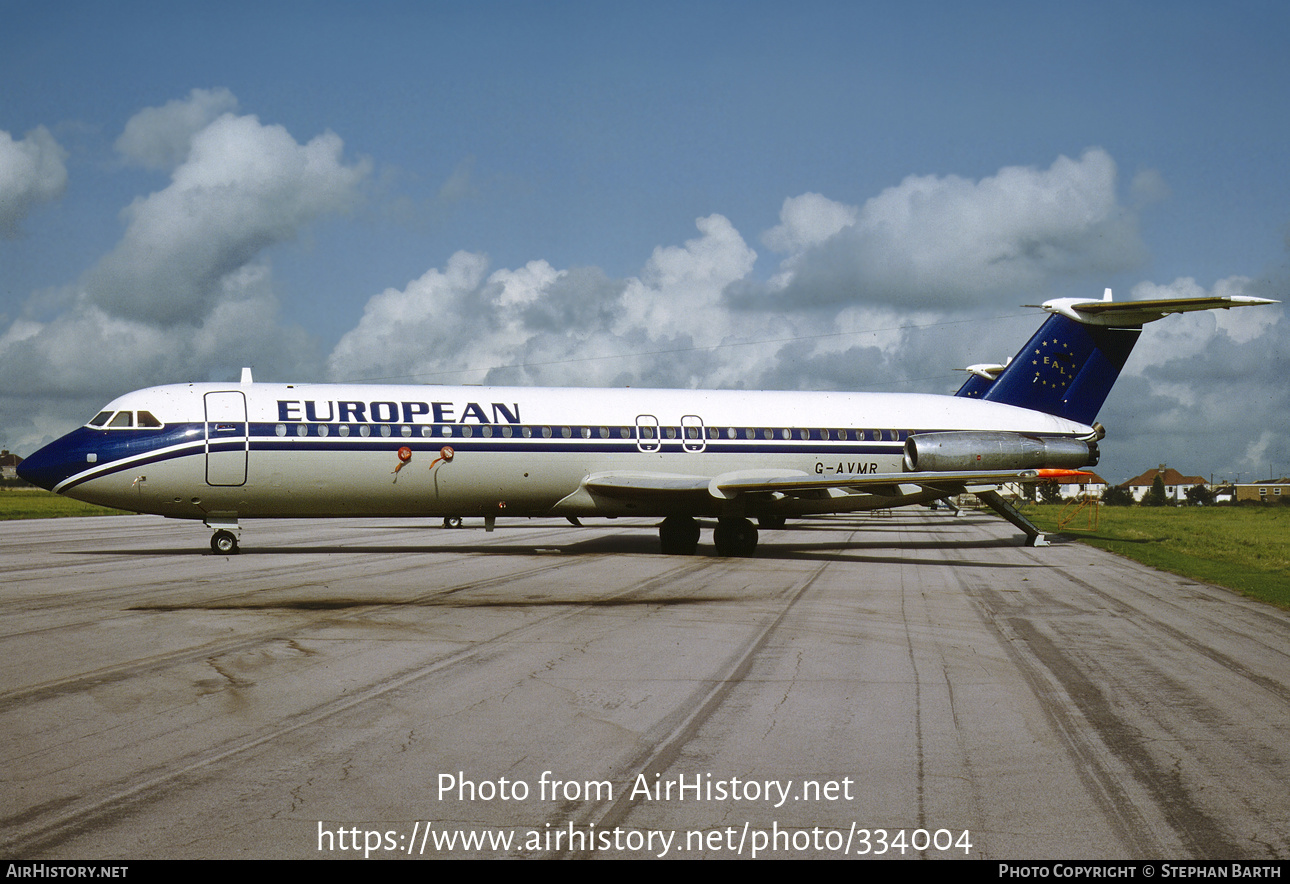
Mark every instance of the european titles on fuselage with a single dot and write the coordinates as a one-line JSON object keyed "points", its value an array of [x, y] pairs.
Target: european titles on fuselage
{"points": [[356, 411]]}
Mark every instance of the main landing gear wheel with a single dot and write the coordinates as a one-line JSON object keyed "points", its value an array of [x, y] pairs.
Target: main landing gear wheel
{"points": [[679, 536], [224, 543], [735, 537]]}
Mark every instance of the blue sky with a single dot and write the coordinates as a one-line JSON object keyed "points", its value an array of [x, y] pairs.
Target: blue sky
{"points": [[806, 195]]}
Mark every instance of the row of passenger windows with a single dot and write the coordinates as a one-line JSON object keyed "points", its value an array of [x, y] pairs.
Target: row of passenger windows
{"points": [[124, 419], [465, 431], [145, 419]]}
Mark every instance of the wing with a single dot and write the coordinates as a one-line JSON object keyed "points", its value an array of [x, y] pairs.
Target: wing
{"points": [[887, 484], [621, 492]]}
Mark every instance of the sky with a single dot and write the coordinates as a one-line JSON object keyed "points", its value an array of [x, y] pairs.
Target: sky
{"points": [[807, 195]]}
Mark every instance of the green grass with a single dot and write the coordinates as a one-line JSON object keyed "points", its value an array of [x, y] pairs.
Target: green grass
{"points": [[1246, 549], [34, 503]]}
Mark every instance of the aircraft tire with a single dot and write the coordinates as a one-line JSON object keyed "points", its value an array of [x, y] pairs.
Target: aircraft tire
{"points": [[735, 537], [769, 523], [679, 536], [224, 543]]}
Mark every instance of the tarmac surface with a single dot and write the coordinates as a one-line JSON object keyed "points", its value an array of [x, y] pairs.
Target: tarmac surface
{"points": [[911, 684]]}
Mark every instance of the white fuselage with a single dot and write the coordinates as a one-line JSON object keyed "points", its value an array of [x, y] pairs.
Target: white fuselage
{"points": [[258, 450]]}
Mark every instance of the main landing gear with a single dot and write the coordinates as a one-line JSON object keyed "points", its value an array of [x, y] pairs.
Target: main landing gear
{"points": [[679, 536], [735, 537]]}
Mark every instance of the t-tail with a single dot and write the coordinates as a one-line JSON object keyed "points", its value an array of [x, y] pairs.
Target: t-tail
{"points": [[1068, 367]]}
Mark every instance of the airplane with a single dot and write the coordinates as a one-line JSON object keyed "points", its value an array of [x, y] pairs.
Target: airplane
{"points": [[223, 452]]}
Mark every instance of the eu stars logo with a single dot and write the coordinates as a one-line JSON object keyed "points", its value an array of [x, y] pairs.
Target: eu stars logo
{"points": [[1054, 364]]}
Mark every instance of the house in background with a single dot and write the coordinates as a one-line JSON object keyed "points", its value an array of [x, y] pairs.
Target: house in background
{"points": [[1176, 484], [9, 464], [1091, 485], [1271, 491]]}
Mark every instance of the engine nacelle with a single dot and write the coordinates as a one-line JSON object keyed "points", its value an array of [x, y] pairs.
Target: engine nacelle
{"points": [[955, 452]]}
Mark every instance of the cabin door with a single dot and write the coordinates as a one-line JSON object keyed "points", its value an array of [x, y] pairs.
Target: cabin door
{"points": [[228, 443]]}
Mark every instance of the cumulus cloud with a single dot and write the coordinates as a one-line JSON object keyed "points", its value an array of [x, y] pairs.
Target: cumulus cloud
{"points": [[243, 187], [31, 171], [893, 294], [950, 242], [187, 293], [541, 325], [161, 137], [1203, 386], [807, 221]]}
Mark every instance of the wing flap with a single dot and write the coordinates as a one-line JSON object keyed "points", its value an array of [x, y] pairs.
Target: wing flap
{"points": [[889, 484]]}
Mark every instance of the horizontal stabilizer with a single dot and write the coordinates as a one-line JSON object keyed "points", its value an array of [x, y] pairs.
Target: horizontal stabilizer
{"points": [[1135, 313], [1068, 368]]}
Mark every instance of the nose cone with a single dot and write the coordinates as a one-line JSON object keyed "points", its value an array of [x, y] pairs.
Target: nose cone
{"points": [[58, 460]]}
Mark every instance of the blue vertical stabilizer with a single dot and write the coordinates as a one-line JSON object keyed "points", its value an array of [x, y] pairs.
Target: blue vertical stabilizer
{"points": [[1067, 369]]}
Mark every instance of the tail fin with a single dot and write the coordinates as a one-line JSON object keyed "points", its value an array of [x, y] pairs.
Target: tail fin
{"points": [[1068, 368]]}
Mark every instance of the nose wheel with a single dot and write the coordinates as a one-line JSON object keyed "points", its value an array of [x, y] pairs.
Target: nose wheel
{"points": [[224, 543]]}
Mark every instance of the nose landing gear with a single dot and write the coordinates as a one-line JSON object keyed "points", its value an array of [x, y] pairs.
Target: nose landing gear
{"points": [[224, 543], [226, 528]]}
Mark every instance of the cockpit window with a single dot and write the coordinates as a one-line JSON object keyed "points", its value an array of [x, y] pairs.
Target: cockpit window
{"points": [[124, 420]]}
